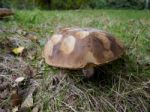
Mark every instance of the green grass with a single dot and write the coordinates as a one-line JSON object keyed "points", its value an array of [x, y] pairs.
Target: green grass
{"points": [[119, 86]]}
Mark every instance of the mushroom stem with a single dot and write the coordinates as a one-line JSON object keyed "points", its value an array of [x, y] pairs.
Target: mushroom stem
{"points": [[88, 72]]}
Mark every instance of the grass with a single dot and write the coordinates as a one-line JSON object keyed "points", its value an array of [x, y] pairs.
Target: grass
{"points": [[119, 86]]}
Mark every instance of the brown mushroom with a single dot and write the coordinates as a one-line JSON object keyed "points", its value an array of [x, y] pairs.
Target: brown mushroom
{"points": [[4, 12], [76, 48]]}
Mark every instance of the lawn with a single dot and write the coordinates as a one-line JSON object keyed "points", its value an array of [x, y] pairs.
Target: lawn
{"points": [[120, 86]]}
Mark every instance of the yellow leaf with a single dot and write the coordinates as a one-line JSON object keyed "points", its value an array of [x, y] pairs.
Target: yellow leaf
{"points": [[18, 50]]}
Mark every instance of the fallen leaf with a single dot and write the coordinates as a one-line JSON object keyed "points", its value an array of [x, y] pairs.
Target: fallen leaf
{"points": [[19, 79], [28, 102], [18, 50], [36, 109], [15, 98]]}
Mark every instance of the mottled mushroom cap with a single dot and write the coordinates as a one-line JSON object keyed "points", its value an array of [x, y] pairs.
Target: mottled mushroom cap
{"points": [[5, 12], [75, 48]]}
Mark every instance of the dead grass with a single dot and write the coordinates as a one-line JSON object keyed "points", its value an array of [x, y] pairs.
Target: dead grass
{"points": [[120, 86]]}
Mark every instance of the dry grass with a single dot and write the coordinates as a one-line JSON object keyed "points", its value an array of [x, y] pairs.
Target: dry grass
{"points": [[120, 86]]}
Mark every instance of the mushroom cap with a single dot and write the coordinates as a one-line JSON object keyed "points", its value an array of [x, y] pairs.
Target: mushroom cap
{"points": [[5, 12], [75, 48]]}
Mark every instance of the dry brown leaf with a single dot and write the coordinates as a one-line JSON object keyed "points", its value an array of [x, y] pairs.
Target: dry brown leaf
{"points": [[15, 98], [36, 108], [28, 102]]}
